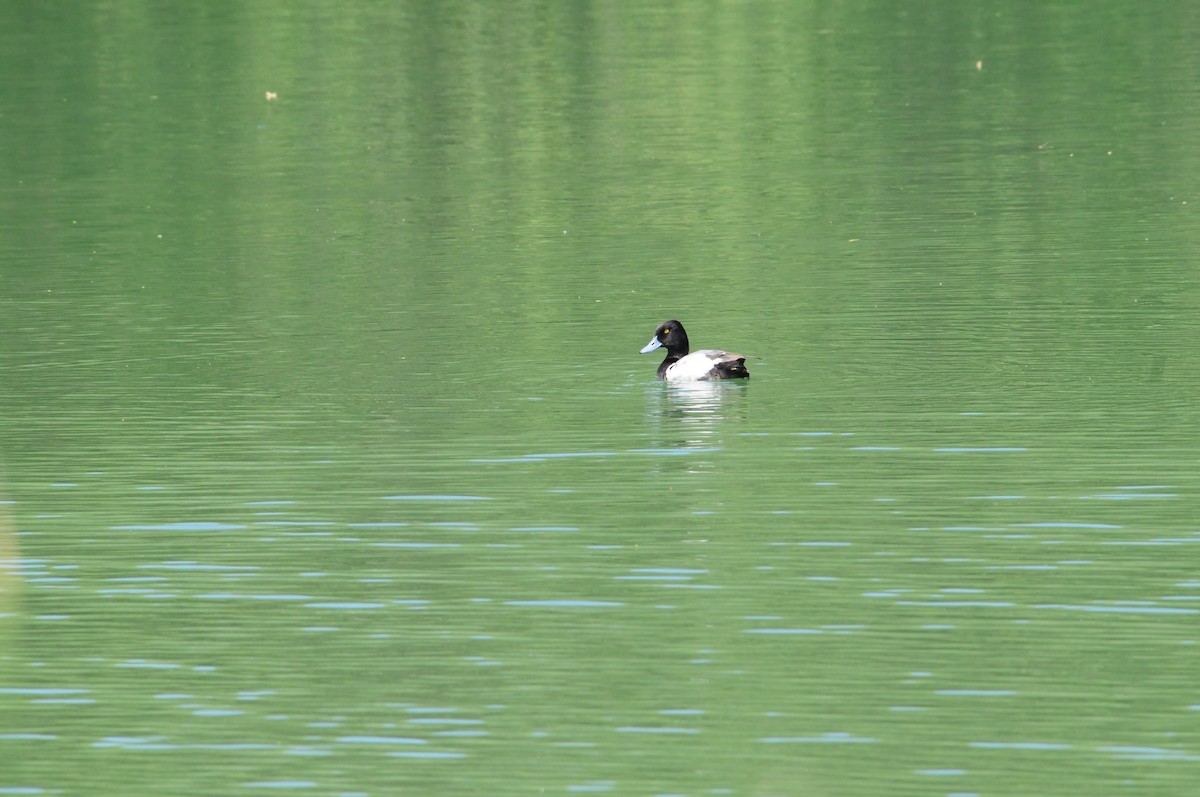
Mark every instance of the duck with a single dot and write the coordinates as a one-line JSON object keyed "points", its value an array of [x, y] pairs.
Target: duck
{"points": [[702, 365]]}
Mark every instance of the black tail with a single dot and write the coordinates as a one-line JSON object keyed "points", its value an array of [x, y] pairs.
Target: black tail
{"points": [[733, 369]]}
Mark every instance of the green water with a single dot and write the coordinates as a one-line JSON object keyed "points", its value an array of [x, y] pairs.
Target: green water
{"points": [[328, 464]]}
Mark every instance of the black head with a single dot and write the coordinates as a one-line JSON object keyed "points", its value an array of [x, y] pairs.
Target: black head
{"points": [[670, 336]]}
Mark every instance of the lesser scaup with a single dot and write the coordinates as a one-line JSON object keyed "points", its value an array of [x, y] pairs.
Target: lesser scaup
{"points": [[699, 365]]}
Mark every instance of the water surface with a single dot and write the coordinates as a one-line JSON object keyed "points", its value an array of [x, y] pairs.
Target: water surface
{"points": [[329, 465]]}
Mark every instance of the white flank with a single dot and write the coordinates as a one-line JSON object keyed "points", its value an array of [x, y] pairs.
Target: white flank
{"points": [[696, 366]]}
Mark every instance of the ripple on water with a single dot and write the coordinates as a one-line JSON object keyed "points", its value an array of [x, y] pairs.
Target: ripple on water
{"points": [[196, 525], [833, 737], [976, 692], [43, 691], [142, 664], [1064, 525], [595, 786], [236, 596], [1118, 609], [980, 450], [545, 528], [1154, 541], [544, 457], [960, 604], [160, 743], [436, 498], [1128, 496], [1046, 746], [1137, 753], [188, 565], [665, 576], [566, 604]]}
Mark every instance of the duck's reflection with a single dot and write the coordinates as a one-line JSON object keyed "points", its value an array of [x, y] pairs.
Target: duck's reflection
{"points": [[690, 415]]}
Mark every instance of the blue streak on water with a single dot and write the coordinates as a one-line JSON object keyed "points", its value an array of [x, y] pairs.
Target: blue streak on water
{"points": [[565, 604], [462, 734], [1134, 753], [575, 455], [196, 525], [1118, 609], [241, 597], [544, 457], [1021, 745], [436, 498], [1065, 526], [976, 692], [78, 701], [1159, 541], [838, 737], [669, 570], [546, 528], [187, 565], [649, 577], [136, 743], [40, 691], [1126, 496], [960, 604], [299, 750]]}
